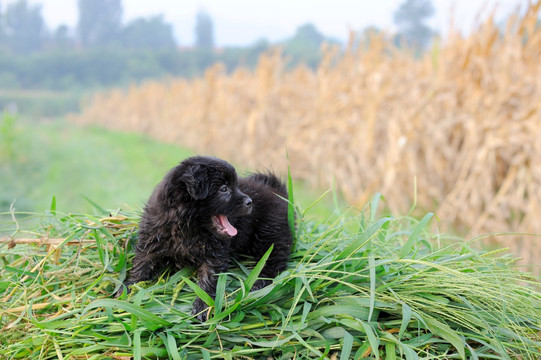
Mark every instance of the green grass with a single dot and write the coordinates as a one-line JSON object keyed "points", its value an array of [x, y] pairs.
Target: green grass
{"points": [[58, 158], [361, 286]]}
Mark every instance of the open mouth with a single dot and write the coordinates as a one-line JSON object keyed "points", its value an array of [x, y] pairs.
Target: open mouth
{"points": [[223, 226]]}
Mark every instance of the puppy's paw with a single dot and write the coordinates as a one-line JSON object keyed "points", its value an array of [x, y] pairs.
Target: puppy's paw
{"points": [[121, 289], [260, 284], [201, 310], [118, 292]]}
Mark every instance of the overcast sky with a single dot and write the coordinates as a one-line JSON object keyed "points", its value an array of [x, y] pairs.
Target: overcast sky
{"points": [[241, 22]]}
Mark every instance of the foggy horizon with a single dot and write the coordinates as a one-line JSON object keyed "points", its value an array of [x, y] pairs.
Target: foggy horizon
{"points": [[237, 23]]}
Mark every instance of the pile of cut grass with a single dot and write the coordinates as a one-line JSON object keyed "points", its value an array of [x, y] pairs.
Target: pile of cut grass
{"points": [[359, 286]]}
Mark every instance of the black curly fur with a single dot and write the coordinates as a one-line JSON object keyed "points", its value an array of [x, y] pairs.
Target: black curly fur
{"points": [[177, 227]]}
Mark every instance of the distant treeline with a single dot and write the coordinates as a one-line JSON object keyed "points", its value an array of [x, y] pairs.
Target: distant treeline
{"points": [[101, 51], [103, 67]]}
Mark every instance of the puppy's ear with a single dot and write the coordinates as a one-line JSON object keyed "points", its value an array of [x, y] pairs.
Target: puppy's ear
{"points": [[197, 182]]}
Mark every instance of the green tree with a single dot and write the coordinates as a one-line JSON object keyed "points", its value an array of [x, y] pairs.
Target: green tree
{"points": [[410, 19], [100, 22], [24, 28], [148, 33], [61, 37], [2, 39], [305, 45], [309, 34], [1, 23], [204, 31]]}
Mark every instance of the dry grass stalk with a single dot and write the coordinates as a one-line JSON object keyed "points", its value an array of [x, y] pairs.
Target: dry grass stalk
{"points": [[41, 241], [464, 121]]}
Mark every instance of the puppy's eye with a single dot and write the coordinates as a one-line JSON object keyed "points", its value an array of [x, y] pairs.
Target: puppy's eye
{"points": [[224, 189]]}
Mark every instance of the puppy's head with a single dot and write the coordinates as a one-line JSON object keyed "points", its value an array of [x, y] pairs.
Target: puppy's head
{"points": [[208, 187]]}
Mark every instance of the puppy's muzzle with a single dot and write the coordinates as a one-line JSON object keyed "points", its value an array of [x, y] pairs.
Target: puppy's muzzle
{"points": [[247, 202]]}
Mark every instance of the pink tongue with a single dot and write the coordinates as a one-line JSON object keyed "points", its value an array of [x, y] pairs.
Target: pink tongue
{"points": [[229, 229]]}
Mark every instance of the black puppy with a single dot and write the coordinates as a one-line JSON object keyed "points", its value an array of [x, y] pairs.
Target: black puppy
{"points": [[201, 216]]}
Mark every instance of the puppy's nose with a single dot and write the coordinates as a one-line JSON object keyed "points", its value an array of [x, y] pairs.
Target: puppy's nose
{"points": [[247, 202]]}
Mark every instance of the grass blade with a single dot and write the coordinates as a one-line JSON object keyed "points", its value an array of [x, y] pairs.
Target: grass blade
{"points": [[53, 205], [220, 293], [374, 205], [408, 352], [152, 321], [202, 294], [205, 354], [444, 331], [291, 208], [96, 206], [390, 351], [137, 344], [172, 347], [372, 272], [252, 278], [406, 318], [372, 338], [360, 241], [408, 246], [346, 346]]}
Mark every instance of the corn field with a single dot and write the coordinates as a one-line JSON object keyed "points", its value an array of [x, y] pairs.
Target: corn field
{"points": [[457, 130]]}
